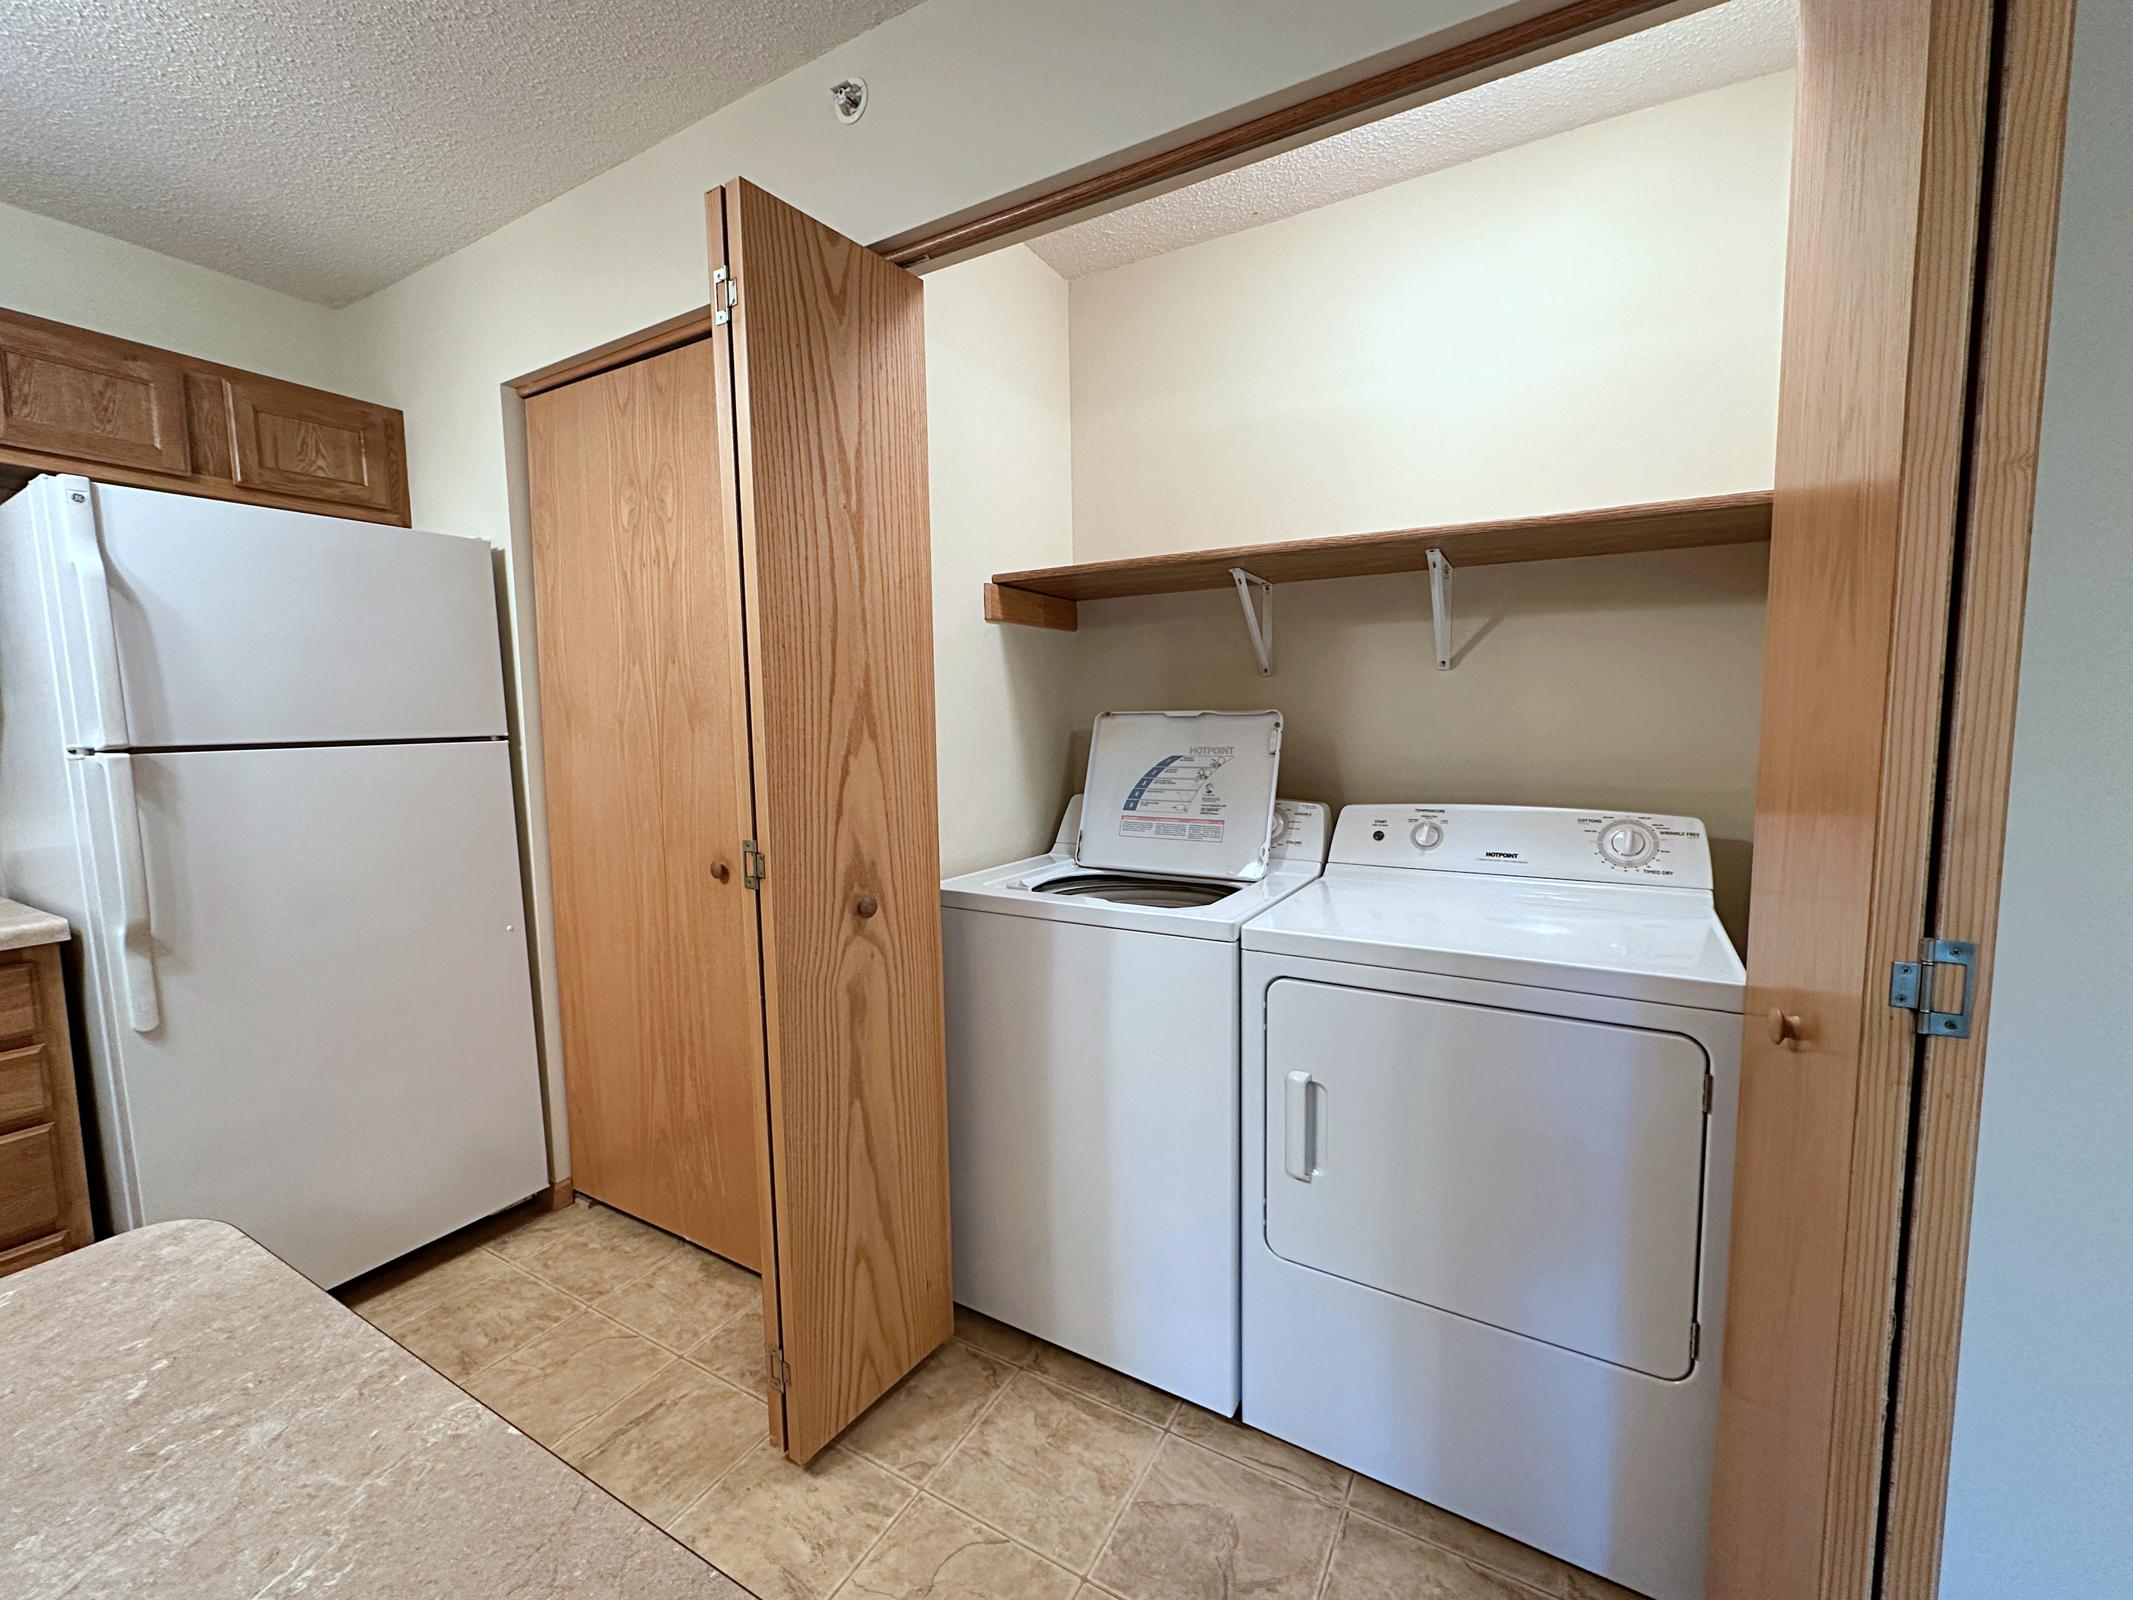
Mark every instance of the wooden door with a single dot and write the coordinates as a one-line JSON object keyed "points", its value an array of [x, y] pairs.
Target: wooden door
{"points": [[645, 746], [1896, 106], [827, 345]]}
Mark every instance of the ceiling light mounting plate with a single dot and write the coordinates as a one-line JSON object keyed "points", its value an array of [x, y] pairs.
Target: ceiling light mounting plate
{"points": [[849, 96]]}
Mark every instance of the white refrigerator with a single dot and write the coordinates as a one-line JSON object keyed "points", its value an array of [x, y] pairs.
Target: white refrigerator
{"points": [[258, 760]]}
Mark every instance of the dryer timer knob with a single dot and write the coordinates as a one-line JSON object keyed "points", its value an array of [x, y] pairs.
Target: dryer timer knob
{"points": [[1627, 843]]}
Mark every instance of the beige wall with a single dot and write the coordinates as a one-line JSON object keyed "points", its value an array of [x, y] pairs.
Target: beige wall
{"points": [[54, 269], [999, 441], [1588, 320], [1592, 319]]}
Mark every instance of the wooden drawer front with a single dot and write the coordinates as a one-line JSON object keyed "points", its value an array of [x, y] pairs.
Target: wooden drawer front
{"points": [[72, 396], [29, 1184], [292, 441], [18, 1003], [28, 1255], [25, 1091]]}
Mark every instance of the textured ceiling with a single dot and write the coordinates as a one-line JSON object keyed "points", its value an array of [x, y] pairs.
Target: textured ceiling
{"points": [[1727, 44], [329, 148]]}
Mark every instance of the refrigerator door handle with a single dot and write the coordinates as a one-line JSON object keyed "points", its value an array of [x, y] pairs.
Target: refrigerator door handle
{"points": [[126, 911], [99, 700]]}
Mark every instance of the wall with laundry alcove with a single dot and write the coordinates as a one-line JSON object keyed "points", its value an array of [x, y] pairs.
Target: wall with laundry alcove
{"points": [[1590, 319]]}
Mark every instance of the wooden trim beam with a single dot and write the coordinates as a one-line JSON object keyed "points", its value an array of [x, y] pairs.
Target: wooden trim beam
{"points": [[1005, 603], [1503, 48], [671, 334], [1612, 530]]}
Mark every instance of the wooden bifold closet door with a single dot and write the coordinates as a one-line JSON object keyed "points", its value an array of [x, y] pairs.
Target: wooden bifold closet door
{"points": [[733, 584]]}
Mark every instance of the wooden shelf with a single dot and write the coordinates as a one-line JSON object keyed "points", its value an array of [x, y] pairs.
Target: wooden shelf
{"points": [[1047, 596]]}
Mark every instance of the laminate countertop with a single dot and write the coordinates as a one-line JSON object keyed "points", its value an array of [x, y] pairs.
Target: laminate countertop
{"points": [[21, 926], [181, 1414]]}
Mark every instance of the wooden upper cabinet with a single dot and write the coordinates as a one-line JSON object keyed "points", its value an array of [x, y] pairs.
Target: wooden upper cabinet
{"points": [[76, 401], [73, 394], [298, 441]]}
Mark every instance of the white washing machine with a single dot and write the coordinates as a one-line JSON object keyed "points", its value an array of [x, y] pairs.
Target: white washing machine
{"points": [[1491, 1060], [1092, 999]]}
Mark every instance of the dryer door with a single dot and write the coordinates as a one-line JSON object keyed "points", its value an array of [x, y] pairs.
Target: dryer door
{"points": [[1540, 1174]]}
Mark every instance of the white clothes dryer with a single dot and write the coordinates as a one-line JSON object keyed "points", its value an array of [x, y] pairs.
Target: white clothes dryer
{"points": [[1491, 1061], [1092, 1002]]}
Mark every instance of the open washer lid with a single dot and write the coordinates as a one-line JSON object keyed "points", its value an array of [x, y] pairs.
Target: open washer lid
{"points": [[1186, 794]]}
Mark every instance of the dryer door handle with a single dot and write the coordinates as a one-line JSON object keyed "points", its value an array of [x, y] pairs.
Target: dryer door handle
{"points": [[1302, 1126]]}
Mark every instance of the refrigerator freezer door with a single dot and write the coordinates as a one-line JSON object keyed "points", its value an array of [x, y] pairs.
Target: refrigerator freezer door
{"points": [[239, 625], [344, 1063]]}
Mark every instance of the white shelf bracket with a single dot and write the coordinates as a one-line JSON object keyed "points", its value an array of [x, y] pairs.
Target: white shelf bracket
{"points": [[1256, 596], [1440, 607]]}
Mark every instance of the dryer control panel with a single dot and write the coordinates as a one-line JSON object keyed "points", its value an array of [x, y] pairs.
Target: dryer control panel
{"points": [[1527, 842]]}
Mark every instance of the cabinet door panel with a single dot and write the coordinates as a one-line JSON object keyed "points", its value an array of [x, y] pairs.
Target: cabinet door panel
{"points": [[645, 747], [323, 447], [74, 395], [828, 371]]}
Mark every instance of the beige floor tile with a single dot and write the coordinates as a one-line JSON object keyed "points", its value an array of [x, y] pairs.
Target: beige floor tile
{"points": [[1463, 1538], [1049, 1467], [568, 1375], [1011, 1345], [735, 1353], [482, 1322], [934, 1552], [394, 1294], [912, 1428], [1578, 1584], [1313, 1474], [792, 1533], [1371, 1562], [1113, 1388], [659, 1447], [587, 1251], [1204, 1527], [684, 1298]]}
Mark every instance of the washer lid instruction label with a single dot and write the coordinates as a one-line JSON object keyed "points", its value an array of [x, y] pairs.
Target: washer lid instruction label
{"points": [[1180, 797]]}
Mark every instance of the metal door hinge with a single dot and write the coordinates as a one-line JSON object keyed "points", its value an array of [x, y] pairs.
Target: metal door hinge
{"points": [[754, 866], [1707, 1094], [1913, 986], [1695, 1340], [774, 1368], [725, 295]]}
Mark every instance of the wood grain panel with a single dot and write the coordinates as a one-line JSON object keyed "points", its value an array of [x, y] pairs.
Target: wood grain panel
{"points": [[202, 461], [76, 1226], [645, 748], [828, 349], [1473, 58], [29, 1184], [2022, 225], [18, 1002], [296, 441], [29, 1255], [66, 391], [1030, 609], [24, 1095], [1606, 531], [1888, 152]]}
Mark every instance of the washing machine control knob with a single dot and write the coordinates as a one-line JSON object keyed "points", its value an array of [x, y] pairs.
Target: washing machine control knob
{"points": [[1427, 835], [1627, 843]]}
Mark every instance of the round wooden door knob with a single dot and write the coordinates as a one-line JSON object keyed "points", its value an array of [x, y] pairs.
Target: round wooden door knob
{"points": [[1784, 1029], [866, 905], [720, 872]]}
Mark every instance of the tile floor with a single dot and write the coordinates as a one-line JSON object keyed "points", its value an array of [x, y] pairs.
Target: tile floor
{"points": [[1003, 1468]]}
